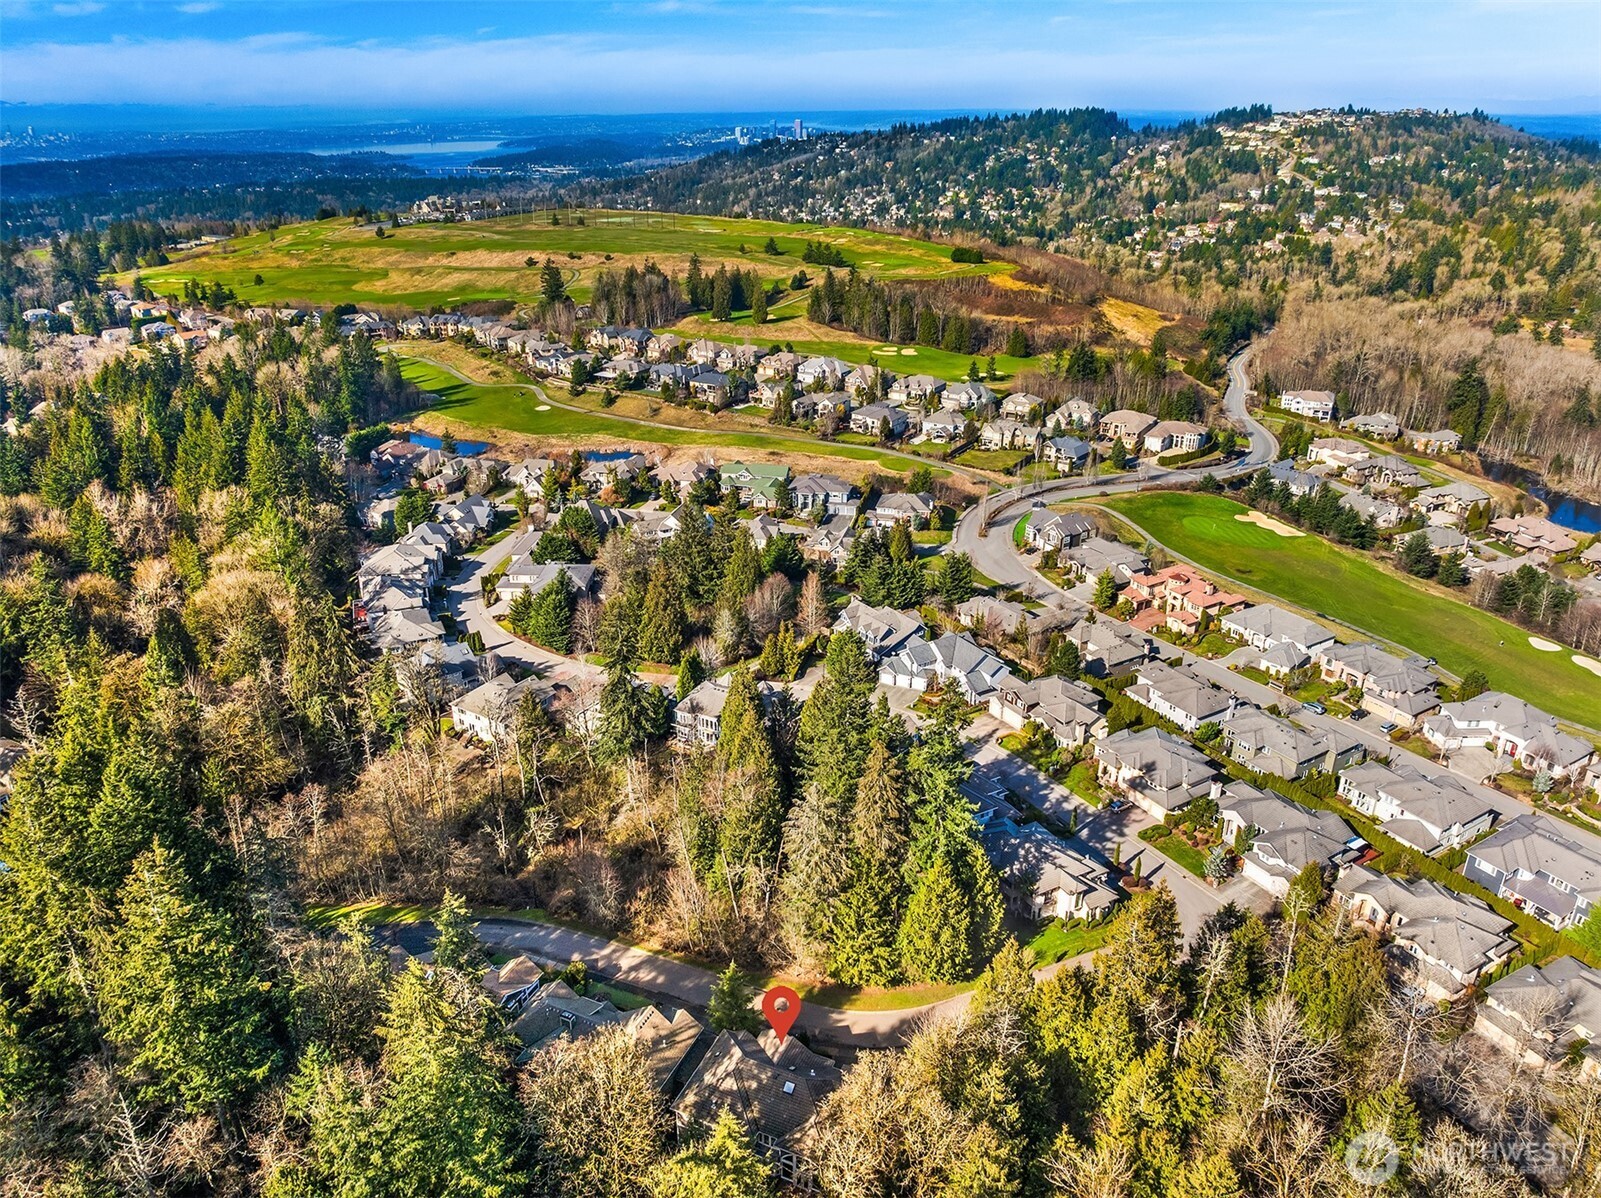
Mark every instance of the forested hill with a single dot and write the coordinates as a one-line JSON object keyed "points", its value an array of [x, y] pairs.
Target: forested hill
{"points": [[1201, 199]]}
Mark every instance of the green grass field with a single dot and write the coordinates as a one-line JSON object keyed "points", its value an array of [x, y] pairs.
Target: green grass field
{"points": [[1348, 586], [513, 407], [439, 265]]}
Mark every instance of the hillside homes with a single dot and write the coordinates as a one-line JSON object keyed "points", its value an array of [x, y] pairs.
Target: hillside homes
{"points": [[954, 659], [1270, 745], [1041, 877], [1070, 711], [1285, 640], [1396, 689]]}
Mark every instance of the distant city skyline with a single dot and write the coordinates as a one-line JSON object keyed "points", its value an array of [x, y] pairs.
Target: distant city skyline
{"points": [[1507, 56]]}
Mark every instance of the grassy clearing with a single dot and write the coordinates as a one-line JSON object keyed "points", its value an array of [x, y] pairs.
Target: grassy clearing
{"points": [[1175, 849], [421, 266], [847, 998], [1020, 530], [1350, 587], [1061, 941], [512, 407], [1133, 321]]}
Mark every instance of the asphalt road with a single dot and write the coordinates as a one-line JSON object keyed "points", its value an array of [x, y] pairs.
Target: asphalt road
{"points": [[985, 532]]}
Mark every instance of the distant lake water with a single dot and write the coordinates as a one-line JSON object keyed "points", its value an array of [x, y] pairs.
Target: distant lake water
{"points": [[1570, 511], [466, 449]]}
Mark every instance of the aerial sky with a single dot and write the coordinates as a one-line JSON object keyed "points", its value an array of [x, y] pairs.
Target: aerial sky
{"points": [[591, 56]]}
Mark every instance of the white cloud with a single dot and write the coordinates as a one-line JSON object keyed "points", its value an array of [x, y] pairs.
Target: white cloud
{"points": [[83, 8], [198, 7]]}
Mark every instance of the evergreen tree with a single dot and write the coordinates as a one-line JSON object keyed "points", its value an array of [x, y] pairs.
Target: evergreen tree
{"points": [[549, 619], [742, 572], [1417, 556], [956, 579], [1105, 590], [552, 286], [456, 947], [661, 631], [758, 306], [730, 1008], [724, 1165], [1017, 342], [179, 991], [691, 672], [631, 713]]}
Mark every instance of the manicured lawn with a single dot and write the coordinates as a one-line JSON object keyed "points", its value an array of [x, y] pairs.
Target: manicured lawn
{"points": [[1020, 530], [438, 265], [993, 459], [1060, 941], [1349, 586], [1176, 849], [513, 407], [932, 536]]}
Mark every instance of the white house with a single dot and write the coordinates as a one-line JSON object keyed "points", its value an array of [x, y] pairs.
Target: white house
{"points": [[1315, 405]]}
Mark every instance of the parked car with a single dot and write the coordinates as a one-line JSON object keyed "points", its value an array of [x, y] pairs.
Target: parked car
{"points": [[1357, 713], [1117, 805], [1316, 708], [1387, 727]]}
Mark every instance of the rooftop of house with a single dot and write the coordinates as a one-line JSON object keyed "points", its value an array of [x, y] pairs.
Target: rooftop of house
{"points": [[773, 1087], [1536, 844]]}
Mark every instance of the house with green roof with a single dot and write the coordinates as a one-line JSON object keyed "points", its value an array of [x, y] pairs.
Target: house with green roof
{"points": [[756, 483]]}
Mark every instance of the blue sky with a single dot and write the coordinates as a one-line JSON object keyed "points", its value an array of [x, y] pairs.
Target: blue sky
{"points": [[570, 56]]}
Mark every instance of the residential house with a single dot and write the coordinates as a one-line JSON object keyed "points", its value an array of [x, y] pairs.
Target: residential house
{"points": [[773, 1087], [823, 406], [1009, 434], [1533, 534], [866, 380], [1176, 694], [1056, 530], [524, 574], [674, 374], [1270, 745], [1041, 877], [401, 456], [1315, 405], [943, 426], [698, 716], [703, 351], [663, 346], [1070, 711], [968, 397], [612, 469], [1183, 591], [1126, 426], [1387, 472], [1382, 512], [1073, 414], [1431, 814], [684, 476], [1443, 441], [1096, 555], [1265, 627], [1300, 482], [954, 659], [778, 368], [1339, 452], [1541, 866], [902, 507], [1506, 725], [1108, 648], [1067, 453], [403, 630], [489, 712], [1282, 837], [1181, 436], [554, 1011], [1544, 1014], [1021, 405], [1158, 772], [1400, 690], [528, 475], [1444, 941], [833, 495], [883, 630], [710, 386], [831, 541], [916, 389], [1442, 539], [759, 484], [875, 419], [1382, 426], [829, 372], [1450, 504], [471, 517]]}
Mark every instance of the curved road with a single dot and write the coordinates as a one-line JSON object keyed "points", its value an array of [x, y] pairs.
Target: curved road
{"points": [[985, 532]]}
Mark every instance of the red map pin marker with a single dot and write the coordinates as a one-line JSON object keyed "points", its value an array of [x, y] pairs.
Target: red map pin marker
{"points": [[782, 1007]]}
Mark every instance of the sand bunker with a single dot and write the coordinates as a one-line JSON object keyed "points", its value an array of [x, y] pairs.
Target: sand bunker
{"points": [[910, 352], [1545, 646], [541, 407], [888, 349], [1587, 663], [1267, 522]]}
